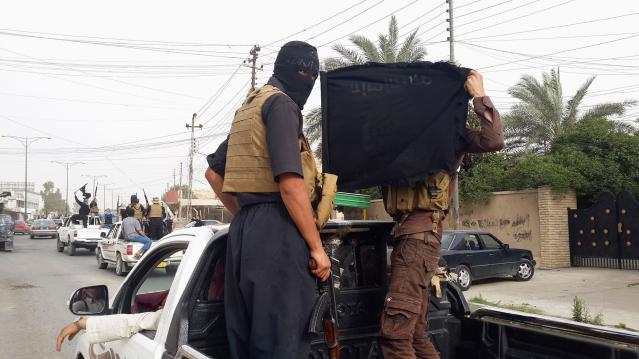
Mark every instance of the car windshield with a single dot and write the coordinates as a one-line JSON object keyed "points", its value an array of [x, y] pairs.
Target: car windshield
{"points": [[446, 239], [44, 222]]}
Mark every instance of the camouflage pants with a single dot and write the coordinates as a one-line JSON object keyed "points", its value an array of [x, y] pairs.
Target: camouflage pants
{"points": [[404, 327]]}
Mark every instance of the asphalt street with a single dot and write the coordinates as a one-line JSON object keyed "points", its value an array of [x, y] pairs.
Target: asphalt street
{"points": [[35, 284]]}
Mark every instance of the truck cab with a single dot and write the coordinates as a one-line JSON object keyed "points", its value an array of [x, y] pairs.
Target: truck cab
{"points": [[73, 234], [192, 324]]}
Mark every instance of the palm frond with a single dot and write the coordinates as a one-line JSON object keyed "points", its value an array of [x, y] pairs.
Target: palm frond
{"points": [[367, 47], [608, 109], [313, 125], [350, 56], [393, 35], [335, 63], [572, 107]]}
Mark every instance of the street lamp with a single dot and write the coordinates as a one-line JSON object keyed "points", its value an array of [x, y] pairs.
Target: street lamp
{"points": [[67, 165], [26, 141]]}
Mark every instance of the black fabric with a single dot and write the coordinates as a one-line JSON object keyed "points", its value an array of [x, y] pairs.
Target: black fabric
{"points": [[292, 57], [156, 228], [269, 291], [84, 208], [392, 123]]}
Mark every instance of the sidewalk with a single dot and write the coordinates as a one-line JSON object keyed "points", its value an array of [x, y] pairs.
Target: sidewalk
{"points": [[612, 292]]}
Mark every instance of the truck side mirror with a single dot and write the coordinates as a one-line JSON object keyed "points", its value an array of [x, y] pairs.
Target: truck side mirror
{"points": [[91, 300], [506, 246]]}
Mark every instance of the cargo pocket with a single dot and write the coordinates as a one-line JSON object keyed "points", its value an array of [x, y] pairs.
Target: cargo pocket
{"points": [[400, 316]]}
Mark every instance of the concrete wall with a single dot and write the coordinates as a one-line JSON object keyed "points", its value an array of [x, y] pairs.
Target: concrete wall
{"points": [[534, 219]]}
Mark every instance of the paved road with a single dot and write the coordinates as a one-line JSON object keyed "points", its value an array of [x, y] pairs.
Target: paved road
{"points": [[613, 293], [35, 284]]}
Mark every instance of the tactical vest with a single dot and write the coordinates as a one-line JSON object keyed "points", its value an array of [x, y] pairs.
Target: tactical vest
{"points": [[155, 211], [94, 207], [248, 166], [138, 211], [429, 195]]}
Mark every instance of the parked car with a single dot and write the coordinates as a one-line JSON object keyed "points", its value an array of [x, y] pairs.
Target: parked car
{"points": [[43, 228], [477, 255], [74, 235], [203, 222], [192, 323], [115, 249], [21, 227], [6, 232]]}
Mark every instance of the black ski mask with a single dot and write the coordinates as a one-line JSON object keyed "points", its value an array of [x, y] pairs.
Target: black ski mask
{"points": [[293, 56]]}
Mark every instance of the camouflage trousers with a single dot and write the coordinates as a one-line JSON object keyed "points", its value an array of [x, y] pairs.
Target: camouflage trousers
{"points": [[404, 327]]}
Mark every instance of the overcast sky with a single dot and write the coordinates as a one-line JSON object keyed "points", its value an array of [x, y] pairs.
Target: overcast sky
{"points": [[114, 83]]}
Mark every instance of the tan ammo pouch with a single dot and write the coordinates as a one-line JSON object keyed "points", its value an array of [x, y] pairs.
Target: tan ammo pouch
{"points": [[325, 205], [430, 195], [312, 177]]}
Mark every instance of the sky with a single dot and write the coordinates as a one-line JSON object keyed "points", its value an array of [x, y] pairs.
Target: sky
{"points": [[113, 84]]}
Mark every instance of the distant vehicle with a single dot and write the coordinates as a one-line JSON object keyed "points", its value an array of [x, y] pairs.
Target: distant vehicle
{"points": [[204, 222], [115, 249], [477, 255], [21, 227], [43, 228], [6, 232], [58, 222], [73, 235]]}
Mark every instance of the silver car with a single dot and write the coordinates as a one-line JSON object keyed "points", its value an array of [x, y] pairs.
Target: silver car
{"points": [[43, 228]]}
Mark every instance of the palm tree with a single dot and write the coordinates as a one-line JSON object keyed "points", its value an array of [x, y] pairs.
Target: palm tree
{"points": [[542, 114], [387, 50]]}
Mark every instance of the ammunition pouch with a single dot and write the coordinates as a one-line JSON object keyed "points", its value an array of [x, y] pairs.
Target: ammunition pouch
{"points": [[429, 195], [325, 204]]}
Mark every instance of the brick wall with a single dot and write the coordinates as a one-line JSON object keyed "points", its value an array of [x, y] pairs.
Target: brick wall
{"points": [[553, 226]]}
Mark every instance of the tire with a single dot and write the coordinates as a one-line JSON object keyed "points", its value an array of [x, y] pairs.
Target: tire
{"points": [[525, 270], [101, 263], [59, 245], [120, 266], [170, 270], [72, 249], [464, 278]]}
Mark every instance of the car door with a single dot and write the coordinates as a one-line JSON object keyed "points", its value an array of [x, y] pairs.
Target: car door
{"points": [[498, 256], [108, 244], [473, 254], [145, 290]]}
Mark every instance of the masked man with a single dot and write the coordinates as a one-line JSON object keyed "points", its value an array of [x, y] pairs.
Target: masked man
{"points": [[259, 174], [418, 235]]}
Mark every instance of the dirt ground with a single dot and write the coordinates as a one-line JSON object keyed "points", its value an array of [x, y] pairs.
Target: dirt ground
{"points": [[613, 293]]}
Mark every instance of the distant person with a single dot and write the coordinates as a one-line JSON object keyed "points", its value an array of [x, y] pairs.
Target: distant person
{"points": [[138, 210], [84, 210], [108, 218], [156, 214], [133, 232]]}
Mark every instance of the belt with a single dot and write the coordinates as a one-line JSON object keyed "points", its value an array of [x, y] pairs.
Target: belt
{"points": [[423, 236]]}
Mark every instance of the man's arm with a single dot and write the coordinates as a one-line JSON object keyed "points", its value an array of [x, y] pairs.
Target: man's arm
{"points": [[77, 200], [490, 137], [217, 183], [295, 197], [110, 327]]}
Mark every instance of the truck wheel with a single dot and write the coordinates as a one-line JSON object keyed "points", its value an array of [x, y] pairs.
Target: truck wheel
{"points": [[72, 249], [525, 270], [170, 270], [120, 267], [464, 279], [59, 245], [101, 263]]}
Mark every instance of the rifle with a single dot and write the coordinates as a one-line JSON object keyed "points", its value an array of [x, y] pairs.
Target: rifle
{"points": [[146, 199], [326, 306]]}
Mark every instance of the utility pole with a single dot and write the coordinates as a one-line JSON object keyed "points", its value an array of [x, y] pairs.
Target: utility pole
{"points": [[26, 141], [67, 165], [104, 203], [173, 177], [192, 126], [451, 42], [180, 193], [253, 61]]}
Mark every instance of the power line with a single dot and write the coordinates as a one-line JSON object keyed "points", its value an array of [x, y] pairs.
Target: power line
{"points": [[483, 9], [553, 27]]}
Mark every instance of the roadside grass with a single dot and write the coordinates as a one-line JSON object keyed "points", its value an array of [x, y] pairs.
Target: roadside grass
{"points": [[523, 307]]}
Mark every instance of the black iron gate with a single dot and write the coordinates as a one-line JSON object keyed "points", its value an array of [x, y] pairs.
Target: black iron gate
{"points": [[607, 234]]}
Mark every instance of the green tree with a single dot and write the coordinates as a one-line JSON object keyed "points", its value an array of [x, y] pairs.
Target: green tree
{"points": [[52, 198], [542, 114], [388, 49], [594, 156]]}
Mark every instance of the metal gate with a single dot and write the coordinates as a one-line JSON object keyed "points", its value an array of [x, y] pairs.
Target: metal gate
{"points": [[605, 235]]}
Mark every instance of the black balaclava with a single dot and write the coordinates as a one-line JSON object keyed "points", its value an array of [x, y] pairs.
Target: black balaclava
{"points": [[293, 56]]}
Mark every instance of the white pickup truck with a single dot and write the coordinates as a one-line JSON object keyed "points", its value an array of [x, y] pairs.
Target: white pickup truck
{"points": [[192, 323], [73, 235], [116, 250]]}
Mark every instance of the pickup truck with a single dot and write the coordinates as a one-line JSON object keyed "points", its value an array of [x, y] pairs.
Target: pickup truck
{"points": [[192, 322], [73, 235], [116, 250]]}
